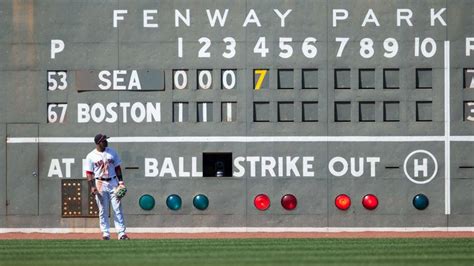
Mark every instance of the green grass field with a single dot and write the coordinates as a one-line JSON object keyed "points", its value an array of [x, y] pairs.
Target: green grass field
{"points": [[228, 252]]}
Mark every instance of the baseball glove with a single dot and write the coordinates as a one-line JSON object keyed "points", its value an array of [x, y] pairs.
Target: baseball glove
{"points": [[120, 191]]}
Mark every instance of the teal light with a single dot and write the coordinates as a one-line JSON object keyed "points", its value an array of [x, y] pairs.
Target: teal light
{"points": [[173, 202], [420, 201], [201, 202], [146, 202]]}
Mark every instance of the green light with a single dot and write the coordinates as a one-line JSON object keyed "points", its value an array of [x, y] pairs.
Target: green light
{"points": [[146, 202], [173, 202], [420, 201], [201, 202]]}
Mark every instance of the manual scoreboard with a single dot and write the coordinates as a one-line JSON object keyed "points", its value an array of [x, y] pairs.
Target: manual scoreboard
{"points": [[272, 114]]}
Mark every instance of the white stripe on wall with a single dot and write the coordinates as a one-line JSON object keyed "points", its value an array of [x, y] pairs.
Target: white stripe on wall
{"points": [[462, 138], [241, 139], [447, 131]]}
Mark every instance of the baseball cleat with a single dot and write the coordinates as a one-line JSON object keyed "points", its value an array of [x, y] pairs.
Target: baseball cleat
{"points": [[105, 237], [124, 237]]}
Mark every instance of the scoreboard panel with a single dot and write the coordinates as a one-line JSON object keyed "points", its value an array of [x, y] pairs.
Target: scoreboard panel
{"points": [[252, 113]]}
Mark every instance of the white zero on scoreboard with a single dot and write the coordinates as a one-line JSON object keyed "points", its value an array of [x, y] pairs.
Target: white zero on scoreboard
{"points": [[228, 79], [204, 78]]}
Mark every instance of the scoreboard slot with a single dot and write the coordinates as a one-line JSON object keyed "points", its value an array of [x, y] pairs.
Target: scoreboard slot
{"points": [[217, 164], [391, 78], [367, 79], [424, 78]]}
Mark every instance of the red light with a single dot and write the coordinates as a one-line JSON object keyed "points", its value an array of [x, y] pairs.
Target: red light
{"points": [[343, 202], [261, 202], [289, 202], [370, 201]]}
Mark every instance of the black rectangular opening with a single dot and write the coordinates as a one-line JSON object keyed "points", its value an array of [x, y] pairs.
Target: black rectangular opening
{"points": [[217, 164], [342, 78], [367, 78], [391, 78], [285, 79], [467, 77], [342, 111], [424, 78], [391, 111], [309, 78], [423, 111], [366, 111], [261, 111], [466, 110]]}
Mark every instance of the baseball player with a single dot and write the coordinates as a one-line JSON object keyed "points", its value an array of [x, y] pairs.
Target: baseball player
{"points": [[104, 176]]}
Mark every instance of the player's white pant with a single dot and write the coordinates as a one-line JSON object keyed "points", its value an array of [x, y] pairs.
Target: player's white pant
{"points": [[107, 195]]}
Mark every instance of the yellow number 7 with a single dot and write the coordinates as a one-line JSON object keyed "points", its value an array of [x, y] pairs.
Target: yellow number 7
{"points": [[262, 73]]}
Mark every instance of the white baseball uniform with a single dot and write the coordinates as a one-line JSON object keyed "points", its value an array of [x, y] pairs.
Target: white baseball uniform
{"points": [[102, 166]]}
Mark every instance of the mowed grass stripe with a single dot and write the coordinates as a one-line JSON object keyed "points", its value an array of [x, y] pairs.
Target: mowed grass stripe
{"points": [[238, 252]]}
